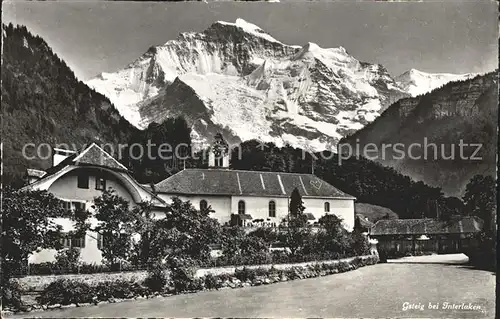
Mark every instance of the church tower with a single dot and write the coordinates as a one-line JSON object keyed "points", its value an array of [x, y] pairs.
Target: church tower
{"points": [[219, 154], [218, 161]]}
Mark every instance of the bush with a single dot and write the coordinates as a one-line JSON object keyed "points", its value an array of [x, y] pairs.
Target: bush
{"points": [[46, 268], [213, 282], [54, 268], [182, 272], [196, 284], [65, 292], [118, 289], [343, 266], [68, 259], [157, 280], [245, 274], [11, 295], [360, 244]]}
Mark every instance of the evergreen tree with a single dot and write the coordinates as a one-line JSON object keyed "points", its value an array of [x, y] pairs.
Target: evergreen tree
{"points": [[297, 231], [296, 204], [480, 200]]}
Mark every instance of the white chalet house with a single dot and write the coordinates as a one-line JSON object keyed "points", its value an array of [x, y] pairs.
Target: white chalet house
{"points": [[254, 197], [76, 179]]}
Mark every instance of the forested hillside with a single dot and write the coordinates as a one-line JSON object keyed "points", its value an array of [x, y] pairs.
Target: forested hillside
{"points": [[368, 181], [43, 102], [459, 112]]}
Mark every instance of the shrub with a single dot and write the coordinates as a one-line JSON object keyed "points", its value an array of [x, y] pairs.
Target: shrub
{"points": [[182, 272], [343, 266], [267, 234], [54, 268], [65, 292], [11, 295], [156, 281], [196, 284], [46, 268], [213, 282], [245, 274], [68, 259], [118, 289], [360, 244]]}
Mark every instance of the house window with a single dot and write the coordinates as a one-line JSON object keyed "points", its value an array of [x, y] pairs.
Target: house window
{"points": [[78, 205], [100, 183], [72, 240], [272, 209], [65, 241], [83, 181], [203, 205], [78, 241], [241, 207], [66, 205], [327, 207]]}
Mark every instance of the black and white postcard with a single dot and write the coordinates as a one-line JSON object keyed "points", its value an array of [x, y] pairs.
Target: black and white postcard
{"points": [[249, 159]]}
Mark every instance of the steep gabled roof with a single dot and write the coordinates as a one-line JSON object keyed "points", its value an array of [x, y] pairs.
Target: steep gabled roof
{"points": [[456, 225], [94, 155], [246, 183], [90, 155]]}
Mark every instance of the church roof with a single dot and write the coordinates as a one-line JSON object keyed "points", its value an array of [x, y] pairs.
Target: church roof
{"points": [[246, 183]]}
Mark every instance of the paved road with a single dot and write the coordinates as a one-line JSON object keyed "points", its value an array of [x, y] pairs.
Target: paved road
{"points": [[374, 291]]}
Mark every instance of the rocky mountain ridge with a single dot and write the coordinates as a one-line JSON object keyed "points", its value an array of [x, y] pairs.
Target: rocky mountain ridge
{"points": [[464, 112], [236, 78]]}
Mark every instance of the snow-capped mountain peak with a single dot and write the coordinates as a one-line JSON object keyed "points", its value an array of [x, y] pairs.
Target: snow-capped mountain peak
{"points": [[250, 28], [237, 79], [417, 82], [330, 56]]}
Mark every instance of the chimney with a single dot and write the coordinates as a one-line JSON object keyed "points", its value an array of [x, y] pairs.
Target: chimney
{"points": [[59, 155], [33, 175]]}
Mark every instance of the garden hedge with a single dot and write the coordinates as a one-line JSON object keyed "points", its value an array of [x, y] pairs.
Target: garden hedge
{"points": [[67, 292]]}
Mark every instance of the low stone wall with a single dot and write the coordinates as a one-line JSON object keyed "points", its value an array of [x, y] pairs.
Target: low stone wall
{"points": [[209, 279], [231, 270], [38, 283]]}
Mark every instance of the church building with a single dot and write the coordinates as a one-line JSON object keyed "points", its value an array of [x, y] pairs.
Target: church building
{"points": [[254, 198]]}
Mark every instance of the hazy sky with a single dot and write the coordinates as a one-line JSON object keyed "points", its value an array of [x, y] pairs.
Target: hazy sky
{"points": [[449, 36]]}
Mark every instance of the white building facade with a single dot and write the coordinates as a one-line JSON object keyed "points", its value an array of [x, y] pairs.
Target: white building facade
{"points": [[260, 197], [76, 179]]}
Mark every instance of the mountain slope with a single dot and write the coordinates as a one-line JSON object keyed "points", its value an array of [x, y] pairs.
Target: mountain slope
{"points": [[250, 85], [374, 213], [416, 82], [459, 111], [43, 102]]}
